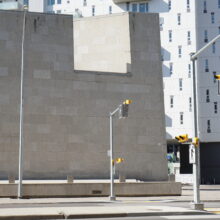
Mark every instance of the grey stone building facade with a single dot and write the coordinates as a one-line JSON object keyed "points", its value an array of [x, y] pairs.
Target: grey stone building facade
{"points": [[66, 123]]}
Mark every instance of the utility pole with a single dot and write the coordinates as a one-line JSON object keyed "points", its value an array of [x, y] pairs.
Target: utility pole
{"points": [[196, 165]]}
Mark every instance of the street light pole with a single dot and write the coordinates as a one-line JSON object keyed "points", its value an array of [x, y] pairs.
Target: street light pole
{"points": [[21, 126], [196, 165]]}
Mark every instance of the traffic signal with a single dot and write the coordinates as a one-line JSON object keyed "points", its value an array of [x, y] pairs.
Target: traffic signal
{"points": [[123, 109], [195, 141], [182, 138], [119, 160], [127, 101], [217, 77]]}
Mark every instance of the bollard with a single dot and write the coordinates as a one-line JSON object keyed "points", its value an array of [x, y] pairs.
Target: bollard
{"points": [[122, 178], [11, 179]]}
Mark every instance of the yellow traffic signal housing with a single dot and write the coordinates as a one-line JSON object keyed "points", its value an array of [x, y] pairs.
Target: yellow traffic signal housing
{"points": [[127, 102], [182, 138], [217, 77], [195, 141], [119, 160]]}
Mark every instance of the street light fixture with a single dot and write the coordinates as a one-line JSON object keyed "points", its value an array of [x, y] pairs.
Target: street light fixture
{"points": [[196, 171], [123, 113], [21, 126]]}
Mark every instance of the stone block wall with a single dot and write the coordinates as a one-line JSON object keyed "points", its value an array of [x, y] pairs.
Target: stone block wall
{"points": [[66, 111]]}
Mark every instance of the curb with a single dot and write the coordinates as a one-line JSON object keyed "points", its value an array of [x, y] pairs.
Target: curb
{"points": [[101, 215]]}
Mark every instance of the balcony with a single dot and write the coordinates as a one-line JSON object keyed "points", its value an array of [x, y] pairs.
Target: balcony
{"points": [[10, 6], [124, 1]]}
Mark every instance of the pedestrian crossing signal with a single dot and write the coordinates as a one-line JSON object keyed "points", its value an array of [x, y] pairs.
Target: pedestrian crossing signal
{"points": [[195, 141]]}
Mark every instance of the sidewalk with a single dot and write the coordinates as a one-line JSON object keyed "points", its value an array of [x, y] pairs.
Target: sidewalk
{"points": [[93, 207], [93, 212]]}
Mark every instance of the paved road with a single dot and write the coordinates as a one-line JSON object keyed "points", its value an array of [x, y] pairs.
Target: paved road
{"points": [[182, 217]]}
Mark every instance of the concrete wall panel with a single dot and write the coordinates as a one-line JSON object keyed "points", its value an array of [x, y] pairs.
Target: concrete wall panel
{"points": [[66, 124]]}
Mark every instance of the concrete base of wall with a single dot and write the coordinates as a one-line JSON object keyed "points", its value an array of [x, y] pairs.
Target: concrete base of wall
{"points": [[92, 189]]}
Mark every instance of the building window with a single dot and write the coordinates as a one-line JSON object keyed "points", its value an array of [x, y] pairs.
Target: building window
{"points": [[93, 10], [59, 1], [213, 48], [218, 3], [171, 68], [188, 37], [208, 126], [204, 7], [171, 101], [205, 36], [188, 5], [206, 65], [110, 9], [170, 36], [190, 104], [169, 5], [143, 7], [181, 118], [212, 17], [84, 2], [127, 6], [207, 95], [134, 7], [215, 107], [179, 19], [180, 84], [179, 51], [50, 2], [189, 70], [26, 2]]}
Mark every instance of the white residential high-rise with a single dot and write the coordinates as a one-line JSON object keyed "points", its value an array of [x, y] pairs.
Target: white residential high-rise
{"points": [[186, 26]]}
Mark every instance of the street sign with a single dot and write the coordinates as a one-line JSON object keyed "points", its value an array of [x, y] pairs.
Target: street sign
{"points": [[192, 154]]}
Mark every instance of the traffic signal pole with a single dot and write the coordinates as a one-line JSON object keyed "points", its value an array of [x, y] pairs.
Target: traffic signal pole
{"points": [[196, 164], [196, 170], [123, 113], [112, 164]]}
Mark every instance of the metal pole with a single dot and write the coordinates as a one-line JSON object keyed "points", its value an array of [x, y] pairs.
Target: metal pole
{"points": [[112, 195], [196, 177], [20, 171], [195, 55]]}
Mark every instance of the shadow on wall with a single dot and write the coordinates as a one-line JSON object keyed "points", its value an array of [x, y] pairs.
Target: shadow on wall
{"points": [[166, 71], [165, 54], [168, 136], [168, 121], [163, 7]]}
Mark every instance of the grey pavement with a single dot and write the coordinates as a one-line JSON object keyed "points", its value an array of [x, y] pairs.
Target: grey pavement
{"points": [[96, 207]]}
